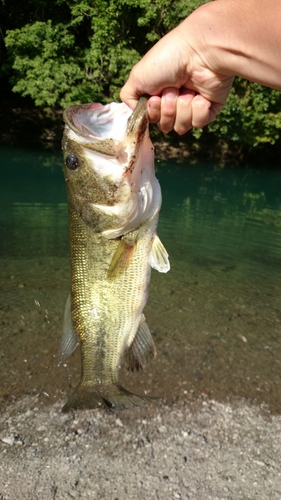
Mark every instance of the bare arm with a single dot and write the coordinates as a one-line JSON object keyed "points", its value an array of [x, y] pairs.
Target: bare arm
{"points": [[189, 72]]}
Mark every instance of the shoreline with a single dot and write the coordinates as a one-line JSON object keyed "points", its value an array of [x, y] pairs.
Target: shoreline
{"points": [[202, 450], [25, 125]]}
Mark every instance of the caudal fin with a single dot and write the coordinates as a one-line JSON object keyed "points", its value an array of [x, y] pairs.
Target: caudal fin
{"points": [[112, 397]]}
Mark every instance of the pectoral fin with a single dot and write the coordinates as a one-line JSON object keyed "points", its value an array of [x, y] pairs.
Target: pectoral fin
{"points": [[142, 349], [121, 258], [159, 258], [69, 340]]}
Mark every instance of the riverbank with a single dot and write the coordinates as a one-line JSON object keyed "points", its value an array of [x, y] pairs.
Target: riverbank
{"points": [[28, 126], [215, 319], [201, 451], [25, 125]]}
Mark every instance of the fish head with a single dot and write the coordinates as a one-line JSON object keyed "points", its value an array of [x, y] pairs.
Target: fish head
{"points": [[109, 166]]}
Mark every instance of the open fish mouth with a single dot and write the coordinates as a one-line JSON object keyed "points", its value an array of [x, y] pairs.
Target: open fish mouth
{"points": [[97, 127], [111, 122], [96, 122]]}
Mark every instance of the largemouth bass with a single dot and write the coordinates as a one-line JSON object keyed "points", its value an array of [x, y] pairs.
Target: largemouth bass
{"points": [[114, 200]]}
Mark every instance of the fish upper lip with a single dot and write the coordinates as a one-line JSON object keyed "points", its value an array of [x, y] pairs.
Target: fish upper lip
{"points": [[68, 117]]}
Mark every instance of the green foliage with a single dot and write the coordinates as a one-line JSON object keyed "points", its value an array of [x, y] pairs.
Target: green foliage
{"points": [[70, 51], [251, 117], [88, 56], [41, 58]]}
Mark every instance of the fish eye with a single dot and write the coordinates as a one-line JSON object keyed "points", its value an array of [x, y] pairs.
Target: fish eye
{"points": [[72, 162]]}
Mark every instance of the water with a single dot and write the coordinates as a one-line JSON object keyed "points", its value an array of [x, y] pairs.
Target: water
{"points": [[215, 317]]}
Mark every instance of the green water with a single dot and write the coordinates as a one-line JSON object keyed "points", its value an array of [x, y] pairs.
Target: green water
{"points": [[215, 317]]}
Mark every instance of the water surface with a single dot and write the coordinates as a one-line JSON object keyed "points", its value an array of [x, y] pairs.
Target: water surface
{"points": [[215, 316]]}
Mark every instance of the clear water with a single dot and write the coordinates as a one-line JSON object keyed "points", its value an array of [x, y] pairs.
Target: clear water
{"points": [[215, 317]]}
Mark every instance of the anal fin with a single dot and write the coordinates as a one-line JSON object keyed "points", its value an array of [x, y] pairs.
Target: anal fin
{"points": [[142, 348]]}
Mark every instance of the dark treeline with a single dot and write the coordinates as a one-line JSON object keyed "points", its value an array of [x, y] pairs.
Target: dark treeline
{"points": [[69, 51]]}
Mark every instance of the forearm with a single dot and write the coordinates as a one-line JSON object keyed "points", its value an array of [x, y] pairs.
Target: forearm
{"points": [[241, 37]]}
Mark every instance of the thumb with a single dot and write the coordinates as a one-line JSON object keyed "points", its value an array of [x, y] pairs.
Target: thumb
{"points": [[130, 95]]}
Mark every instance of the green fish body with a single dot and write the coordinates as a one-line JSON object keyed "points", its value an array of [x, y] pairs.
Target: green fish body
{"points": [[114, 201]]}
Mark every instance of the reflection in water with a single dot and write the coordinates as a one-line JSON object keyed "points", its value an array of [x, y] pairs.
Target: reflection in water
{"points": [[215, 316], [33, 205], [34, 229]]}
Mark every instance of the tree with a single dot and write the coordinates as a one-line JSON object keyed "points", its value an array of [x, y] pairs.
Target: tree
{"points": [[65, 52], [89, 55]]}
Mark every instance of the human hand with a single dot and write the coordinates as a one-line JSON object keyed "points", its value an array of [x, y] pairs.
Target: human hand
{"points": [[182, 77]]}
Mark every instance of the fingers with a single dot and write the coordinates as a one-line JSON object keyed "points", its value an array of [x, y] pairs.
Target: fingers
{"points": [[171, 110], [183, 120], [181, 110], [168, 109], [154, 109], [204, 111]]}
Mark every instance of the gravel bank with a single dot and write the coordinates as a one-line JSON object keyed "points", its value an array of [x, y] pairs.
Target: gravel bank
{"points": [[204, 450]]}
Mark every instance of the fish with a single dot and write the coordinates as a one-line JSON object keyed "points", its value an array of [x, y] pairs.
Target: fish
{"points": [[114, 201]]}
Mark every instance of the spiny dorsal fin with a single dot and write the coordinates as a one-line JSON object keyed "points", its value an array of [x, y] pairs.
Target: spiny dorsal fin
{"points": [[142, 348], [69, 340], [121, 258], [159, 258]]}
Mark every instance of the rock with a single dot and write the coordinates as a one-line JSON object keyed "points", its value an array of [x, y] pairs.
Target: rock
{"points": [[8, 440]]}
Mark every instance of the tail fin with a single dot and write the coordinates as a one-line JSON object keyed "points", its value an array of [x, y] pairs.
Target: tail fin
{"points": [[112, 397]]}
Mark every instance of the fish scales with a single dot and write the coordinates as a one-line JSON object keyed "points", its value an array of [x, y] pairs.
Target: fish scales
{"points": [[114, 202]]}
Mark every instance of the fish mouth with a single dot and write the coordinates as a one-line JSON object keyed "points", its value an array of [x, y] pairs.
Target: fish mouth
{"points": [[103, 127], [138, 121]]}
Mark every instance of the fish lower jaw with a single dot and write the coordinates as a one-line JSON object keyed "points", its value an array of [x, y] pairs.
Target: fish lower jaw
{"points": [[110, 396]]}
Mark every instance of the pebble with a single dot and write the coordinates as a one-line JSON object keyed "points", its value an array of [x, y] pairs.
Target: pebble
{"points": [[8, 440], [41, 428]]}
